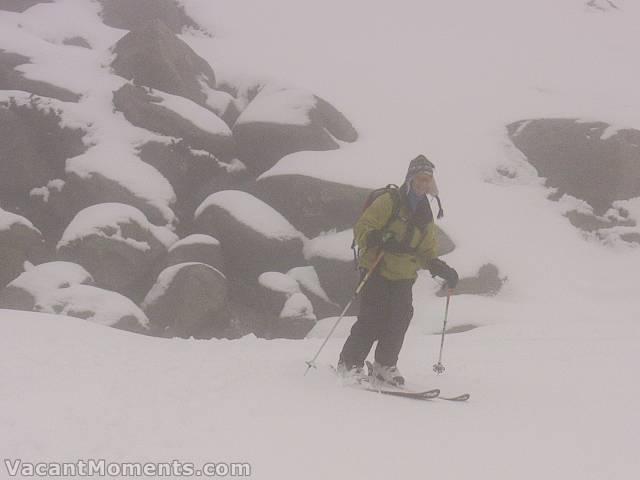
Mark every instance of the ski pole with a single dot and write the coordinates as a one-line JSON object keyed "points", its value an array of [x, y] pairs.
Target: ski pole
{"points": [[312, 362], [438, 367]]}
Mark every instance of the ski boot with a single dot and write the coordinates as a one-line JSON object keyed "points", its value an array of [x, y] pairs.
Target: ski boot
{"points": [[387, 374]]}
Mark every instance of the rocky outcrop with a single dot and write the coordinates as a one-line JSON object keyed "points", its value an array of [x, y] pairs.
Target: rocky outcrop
{"points": [[196, 248], [189, 172], [309, 284], [188, 299], [155, 57], [254, 237], [24, 292], [592, 161], [116, 244], [33, 151], [149, 111], [89, 183], [20, 241], [280, 121], [134, 15], [311, 204], [12, 79], [20, 5], [290, 310], [22, 168], [333, 262], [486, 283], [95, 305]]}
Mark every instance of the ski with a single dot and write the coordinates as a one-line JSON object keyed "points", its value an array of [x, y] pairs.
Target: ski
{"points": [[460, 398], [372, 384], [426, 395]]}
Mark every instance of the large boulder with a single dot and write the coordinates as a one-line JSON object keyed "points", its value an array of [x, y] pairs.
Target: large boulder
{"points": [[189, 171], [291, 311], [309, 284], [196, 248], [591, 161], [22, 168], [255, 238], [487, 282], [314, 205], [20, 5], [116, 244], [33, 152], [12, 79], [103, 176], [188, 299], [20, 241], [333, 261], [280, 121], [24, 292], [311, 204], [95, 305], [154, 56], [176, 117], [135, 14]]}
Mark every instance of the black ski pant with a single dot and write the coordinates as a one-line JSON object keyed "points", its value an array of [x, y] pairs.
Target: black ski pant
{"points": [[385, 313]]}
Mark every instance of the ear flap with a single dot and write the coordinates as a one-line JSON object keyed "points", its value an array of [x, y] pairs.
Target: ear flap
{"points": [[433, 188]]}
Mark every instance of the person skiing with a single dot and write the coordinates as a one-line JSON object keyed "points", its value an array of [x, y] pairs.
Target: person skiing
{"points": [[400, 222]]}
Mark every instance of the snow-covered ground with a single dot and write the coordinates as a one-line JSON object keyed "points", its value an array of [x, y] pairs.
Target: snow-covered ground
{"points": [[550, 399], [551, 369]]}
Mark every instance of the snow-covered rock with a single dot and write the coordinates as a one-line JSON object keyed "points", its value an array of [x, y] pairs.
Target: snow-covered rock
{"points": [[593, 161], [331, 257], [21, 168], [34, 146], [292, 311], [488, 281], [196, 248], [280, 121], [133, 15], [296, 318], [176, 117], [19, 241], [31, 286], [20, 5], [255, 238], [309, 284], [154, 56], [222, 104], [189, 172], [593, 168], [311, 204], [116, 244], [95, 305], [12, 79], [103, 175], [188, 299], [36, 142]]}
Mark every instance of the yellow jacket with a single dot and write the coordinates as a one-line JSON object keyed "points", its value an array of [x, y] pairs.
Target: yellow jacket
{"points": [[421, 246]]}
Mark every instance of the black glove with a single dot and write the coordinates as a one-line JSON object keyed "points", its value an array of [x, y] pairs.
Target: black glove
{"points": [[385, 239], [440, 269]]}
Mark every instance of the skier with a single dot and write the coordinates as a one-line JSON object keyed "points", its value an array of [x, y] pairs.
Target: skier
{"points": [[400, 222]]}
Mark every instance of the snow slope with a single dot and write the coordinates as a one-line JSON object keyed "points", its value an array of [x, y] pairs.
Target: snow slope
{"points": [[549, 400]]}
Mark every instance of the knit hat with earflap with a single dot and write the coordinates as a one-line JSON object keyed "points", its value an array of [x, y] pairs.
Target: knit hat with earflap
{"points": [[423, 164]]}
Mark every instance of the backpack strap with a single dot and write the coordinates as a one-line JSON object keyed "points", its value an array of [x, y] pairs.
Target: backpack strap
{"points": [[393, 190]]}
